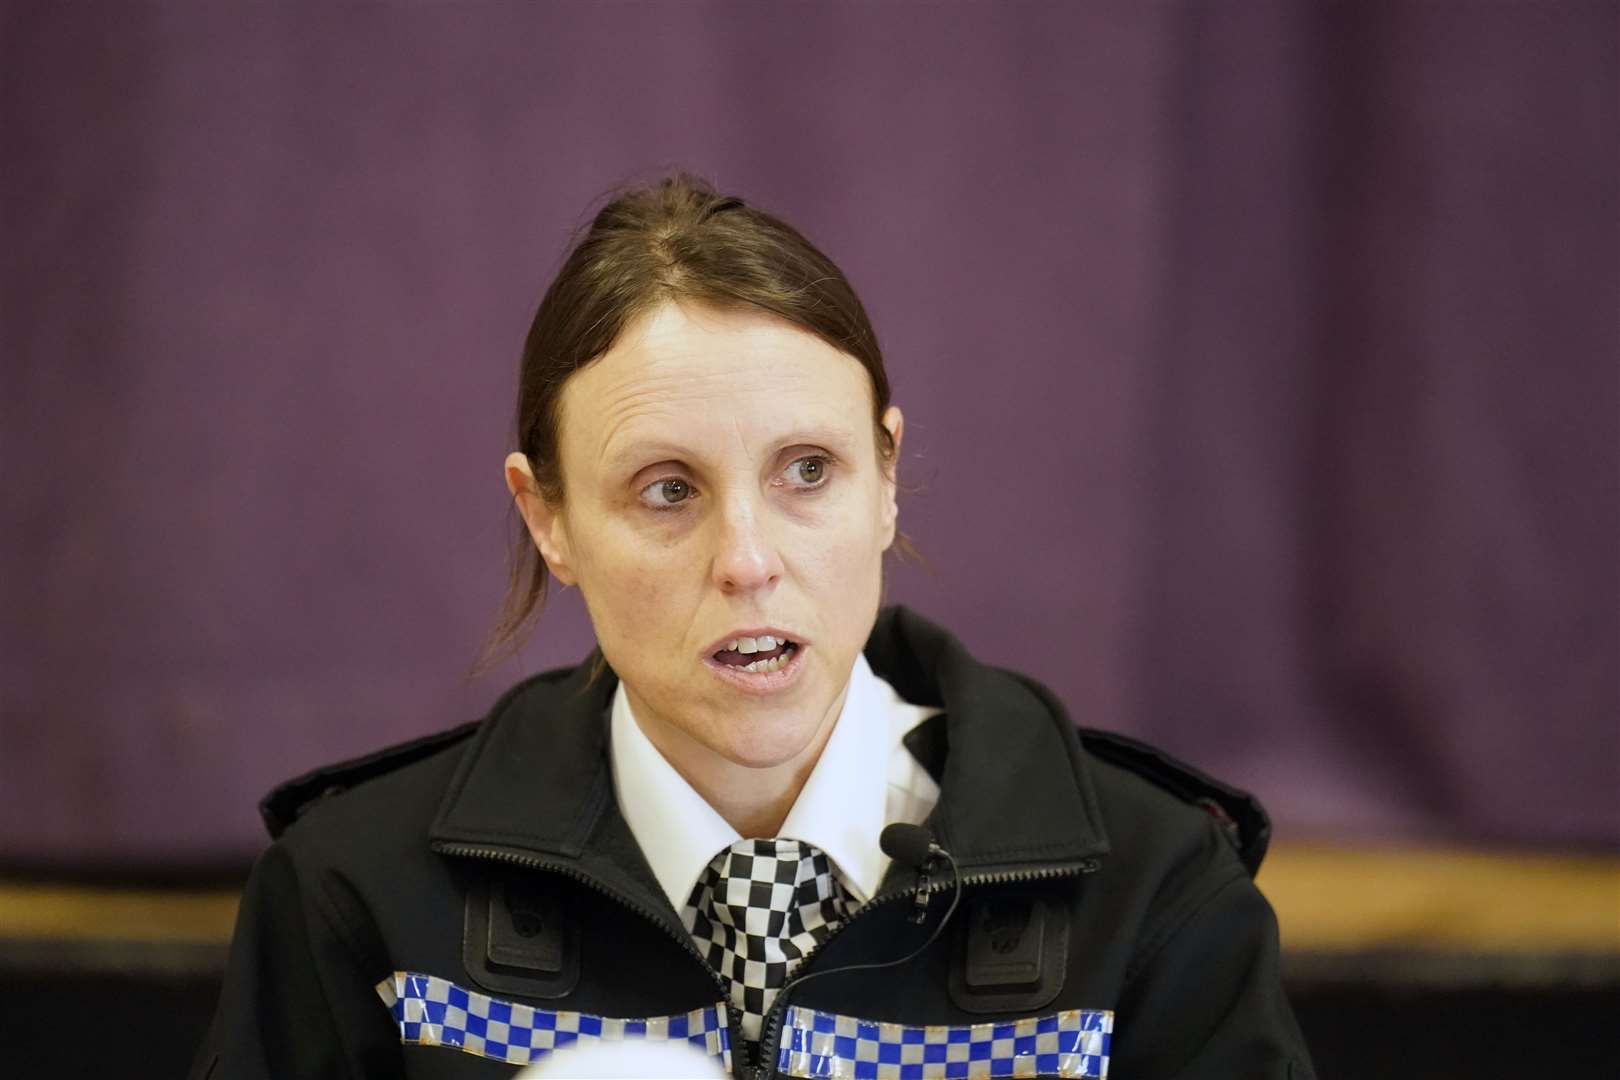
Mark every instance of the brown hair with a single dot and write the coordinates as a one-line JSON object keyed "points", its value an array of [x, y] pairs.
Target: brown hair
{"points": [[678, 240]]}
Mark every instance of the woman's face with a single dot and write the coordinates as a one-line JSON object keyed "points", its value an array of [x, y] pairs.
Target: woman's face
{"points": [[723, 482]]}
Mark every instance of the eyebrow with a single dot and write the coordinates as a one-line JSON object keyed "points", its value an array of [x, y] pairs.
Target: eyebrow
{"points": [[658, 450]]}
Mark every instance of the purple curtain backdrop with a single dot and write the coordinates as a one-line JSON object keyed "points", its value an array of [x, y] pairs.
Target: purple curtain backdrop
{"points": [[1259, 363]]}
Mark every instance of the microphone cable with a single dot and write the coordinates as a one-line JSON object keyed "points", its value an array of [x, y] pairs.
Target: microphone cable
{"points": [[913, 845]]}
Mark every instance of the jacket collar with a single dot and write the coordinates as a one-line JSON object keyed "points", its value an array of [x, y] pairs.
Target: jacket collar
{"points": [[534, 784]]}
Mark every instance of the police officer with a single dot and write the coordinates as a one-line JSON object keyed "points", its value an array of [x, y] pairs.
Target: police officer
{"points": [[682, 838]]}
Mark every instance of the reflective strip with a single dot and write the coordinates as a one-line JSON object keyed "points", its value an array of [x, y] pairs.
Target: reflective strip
{"points": [[1071, 1043], [431, 1011]]}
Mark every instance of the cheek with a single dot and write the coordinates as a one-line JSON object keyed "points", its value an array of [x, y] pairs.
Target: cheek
{"points": [[840, 559], [631, 584]]}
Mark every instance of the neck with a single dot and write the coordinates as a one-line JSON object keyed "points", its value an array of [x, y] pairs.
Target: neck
{"points": [[754, 804], [754, 800]]}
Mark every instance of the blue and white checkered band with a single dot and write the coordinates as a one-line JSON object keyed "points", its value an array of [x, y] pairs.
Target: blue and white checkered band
{"points": [[1071, 1043], [758, 909], [432, 1011]]}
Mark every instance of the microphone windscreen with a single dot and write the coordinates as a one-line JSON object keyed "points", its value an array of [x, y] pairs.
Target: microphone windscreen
{"points": [[908, 844]]}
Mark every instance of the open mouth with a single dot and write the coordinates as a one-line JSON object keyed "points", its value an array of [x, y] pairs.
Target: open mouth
{"points": [[761, 655]]}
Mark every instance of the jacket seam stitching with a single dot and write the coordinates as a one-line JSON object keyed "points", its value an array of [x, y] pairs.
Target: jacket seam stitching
{"points": [[322, 904], [1155, 945]]}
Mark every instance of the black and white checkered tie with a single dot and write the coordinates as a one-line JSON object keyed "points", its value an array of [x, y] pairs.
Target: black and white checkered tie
{"points": [[759, 907]]}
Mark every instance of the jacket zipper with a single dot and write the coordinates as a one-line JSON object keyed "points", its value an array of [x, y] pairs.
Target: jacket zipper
{"points": [[924, 887], [764, 1067], [733, 1017]]}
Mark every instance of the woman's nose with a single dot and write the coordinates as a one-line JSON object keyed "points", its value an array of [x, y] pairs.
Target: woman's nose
{"points": [[746, 557]]}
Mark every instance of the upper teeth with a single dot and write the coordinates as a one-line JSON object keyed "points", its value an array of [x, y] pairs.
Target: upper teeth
{"points": [[764, 643]]}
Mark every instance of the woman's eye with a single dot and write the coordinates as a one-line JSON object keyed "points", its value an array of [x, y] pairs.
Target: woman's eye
{"points": [[809, 472], [662, 494]]}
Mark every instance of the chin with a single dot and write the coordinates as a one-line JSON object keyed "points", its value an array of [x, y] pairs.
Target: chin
{"points": [[761, 743]]}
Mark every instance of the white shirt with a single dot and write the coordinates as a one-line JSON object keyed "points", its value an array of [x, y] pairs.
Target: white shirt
{"points": [[864, 780]]}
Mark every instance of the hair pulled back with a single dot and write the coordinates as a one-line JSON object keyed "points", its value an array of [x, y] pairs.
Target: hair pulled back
{"points": [[675, 240]]}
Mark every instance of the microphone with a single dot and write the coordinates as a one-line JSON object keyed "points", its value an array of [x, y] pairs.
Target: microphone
{"points": [[909, 844], [914, 846]]}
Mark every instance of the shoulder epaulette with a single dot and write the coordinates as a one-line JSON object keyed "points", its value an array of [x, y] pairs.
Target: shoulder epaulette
{"points": [[288, 801], [1239, 814]]}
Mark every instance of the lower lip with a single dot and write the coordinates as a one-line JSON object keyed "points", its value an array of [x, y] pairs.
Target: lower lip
{"points": [[760, 682]]}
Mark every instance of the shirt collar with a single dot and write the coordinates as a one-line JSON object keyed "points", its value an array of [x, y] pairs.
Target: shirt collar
{"points": [[839, 810], [677, 830]]}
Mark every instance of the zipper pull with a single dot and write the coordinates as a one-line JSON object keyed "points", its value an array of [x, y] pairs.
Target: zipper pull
{"points": [[919, 899]]}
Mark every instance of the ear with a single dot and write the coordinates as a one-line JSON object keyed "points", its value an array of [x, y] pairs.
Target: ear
{"points": [[545, 522], [894, 423]]}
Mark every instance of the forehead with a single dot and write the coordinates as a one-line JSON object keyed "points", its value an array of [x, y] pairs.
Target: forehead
{"points": [[699, 376]]}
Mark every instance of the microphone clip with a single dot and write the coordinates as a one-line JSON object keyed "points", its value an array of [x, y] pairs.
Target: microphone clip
{"points": [[919, 898], [915, 846]]}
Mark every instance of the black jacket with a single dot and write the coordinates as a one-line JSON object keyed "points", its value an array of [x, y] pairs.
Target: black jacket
{"points": [[1097, 873]]}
